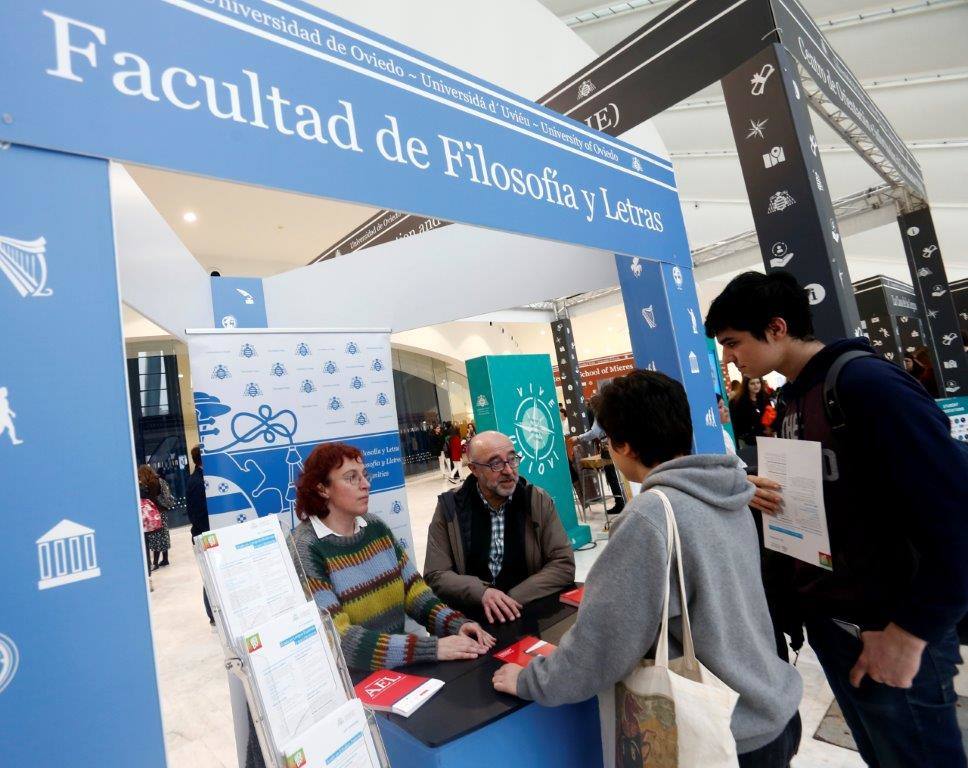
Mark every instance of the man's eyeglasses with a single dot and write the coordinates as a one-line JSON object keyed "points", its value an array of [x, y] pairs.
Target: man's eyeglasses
{"points": [[497, 465]]}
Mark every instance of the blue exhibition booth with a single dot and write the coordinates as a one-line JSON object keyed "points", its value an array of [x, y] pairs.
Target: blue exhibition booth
{"points": [[276, 95]]}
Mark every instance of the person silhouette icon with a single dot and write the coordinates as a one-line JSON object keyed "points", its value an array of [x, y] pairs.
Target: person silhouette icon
{"points": [[6, 418]]}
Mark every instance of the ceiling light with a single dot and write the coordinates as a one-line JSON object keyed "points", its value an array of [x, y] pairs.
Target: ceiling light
{"points": [[190, 216]]}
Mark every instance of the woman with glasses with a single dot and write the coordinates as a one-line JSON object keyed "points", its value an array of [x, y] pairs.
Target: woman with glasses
{"points": [[361, 574]]}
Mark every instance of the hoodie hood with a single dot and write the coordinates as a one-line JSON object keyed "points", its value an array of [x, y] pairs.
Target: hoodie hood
{"points": [[718, 481], [817, 366]]}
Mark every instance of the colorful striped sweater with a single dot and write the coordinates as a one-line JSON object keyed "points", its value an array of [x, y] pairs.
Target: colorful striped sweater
{"points": [[369, 586]]}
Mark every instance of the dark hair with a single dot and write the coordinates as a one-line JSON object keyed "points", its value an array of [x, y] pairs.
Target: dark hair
{"points": [[649, 412], [323, 460], [751, 300], [197, 455], [719, 399]]}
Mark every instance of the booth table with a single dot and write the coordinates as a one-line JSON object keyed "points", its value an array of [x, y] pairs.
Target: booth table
{"points": [[469, 724]]}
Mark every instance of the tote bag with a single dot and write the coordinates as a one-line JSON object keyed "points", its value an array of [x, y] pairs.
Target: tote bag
{"points": [[669, 714], [150, 516]]}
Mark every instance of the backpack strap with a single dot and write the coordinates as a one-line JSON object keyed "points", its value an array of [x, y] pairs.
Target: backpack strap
{"points": [[831, 400]]}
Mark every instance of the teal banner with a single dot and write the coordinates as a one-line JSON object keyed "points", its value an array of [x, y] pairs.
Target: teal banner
{"points": [[515, 394]]}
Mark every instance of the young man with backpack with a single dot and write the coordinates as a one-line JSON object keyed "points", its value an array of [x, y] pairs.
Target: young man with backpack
{"points": [[882, 623]]}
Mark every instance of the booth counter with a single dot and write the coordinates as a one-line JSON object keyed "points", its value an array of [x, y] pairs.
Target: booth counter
{"points": [[469, 724]]}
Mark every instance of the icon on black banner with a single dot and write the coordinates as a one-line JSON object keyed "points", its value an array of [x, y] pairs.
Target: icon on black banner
{"points": [[928, 251], [774, 157], [780, 201], [756, 128], [781, 255], [815, 293], [758, 81]]}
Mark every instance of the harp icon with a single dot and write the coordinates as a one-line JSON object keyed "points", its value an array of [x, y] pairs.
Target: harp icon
{"points": [[648, 314], [23, 262]]}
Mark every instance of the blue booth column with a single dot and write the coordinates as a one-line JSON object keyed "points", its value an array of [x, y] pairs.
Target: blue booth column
{"points": [[667, 335], [77, 671]]}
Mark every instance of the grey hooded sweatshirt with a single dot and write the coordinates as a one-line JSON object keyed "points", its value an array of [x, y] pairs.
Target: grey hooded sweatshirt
{"points": [[618, 621]]}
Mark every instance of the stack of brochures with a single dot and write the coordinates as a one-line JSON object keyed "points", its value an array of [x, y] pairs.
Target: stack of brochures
{"points": [[300, 692]]}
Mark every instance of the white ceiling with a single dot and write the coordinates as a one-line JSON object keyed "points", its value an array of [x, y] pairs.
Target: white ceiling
{"points": [[914, 63]]}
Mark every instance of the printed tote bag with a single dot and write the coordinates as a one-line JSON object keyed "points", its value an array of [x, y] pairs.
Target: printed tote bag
{"points": [[669, 714]]}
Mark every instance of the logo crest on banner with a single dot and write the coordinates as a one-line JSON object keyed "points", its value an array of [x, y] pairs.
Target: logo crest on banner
{"points": [[362, 419], [352, 348], [252, 390], [7, 416], [24, 263], [636, 165], [377, 365], [382, 399], [248, 352], [307, 387], [396, 508], [334, 404], [585, 89], [356, 383], [330, 367], [66, 553], [482, 401], [9, 661], [221, 373], [302, 349], [677, 277], [278, 370]]}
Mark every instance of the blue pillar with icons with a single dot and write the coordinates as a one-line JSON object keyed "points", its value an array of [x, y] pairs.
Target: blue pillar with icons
{"points": [[77, 669], [667, 335], [515, 394]]}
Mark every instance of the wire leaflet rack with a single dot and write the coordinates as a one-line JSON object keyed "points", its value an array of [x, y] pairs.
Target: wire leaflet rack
{"points": [[237, 664]]}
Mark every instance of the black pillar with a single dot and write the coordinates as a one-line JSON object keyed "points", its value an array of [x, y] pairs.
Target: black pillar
{"points": [[943, 335], [788, 192], [890, 314], [570, 377]]}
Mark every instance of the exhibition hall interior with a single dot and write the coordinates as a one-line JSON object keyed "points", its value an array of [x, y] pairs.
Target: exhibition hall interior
{"points": [[527, 383]]}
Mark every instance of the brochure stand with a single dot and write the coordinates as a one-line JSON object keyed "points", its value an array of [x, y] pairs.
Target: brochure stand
{"points": [[237, 659]]}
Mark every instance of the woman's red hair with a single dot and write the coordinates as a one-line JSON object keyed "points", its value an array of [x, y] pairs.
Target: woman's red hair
{"points": [[323, 460]]}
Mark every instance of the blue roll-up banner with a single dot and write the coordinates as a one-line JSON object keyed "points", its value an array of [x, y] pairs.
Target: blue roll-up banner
{"points": [[282, 94], [77, 672], [265, 400], [667, 335]]}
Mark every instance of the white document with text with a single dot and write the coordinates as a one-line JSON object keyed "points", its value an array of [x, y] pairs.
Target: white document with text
{"points": [[341, 740], [295, 671], [800, 530]]}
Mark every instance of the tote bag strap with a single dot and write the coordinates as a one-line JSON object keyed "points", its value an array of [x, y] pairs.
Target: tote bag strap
{"points": [[674, 545]]}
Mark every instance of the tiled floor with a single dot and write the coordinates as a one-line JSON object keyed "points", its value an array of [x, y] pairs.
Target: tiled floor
{"points": [[193, 680]]}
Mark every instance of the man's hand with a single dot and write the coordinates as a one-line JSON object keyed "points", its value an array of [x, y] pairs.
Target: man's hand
{"points": [[506, 679], [891, 657], [768, 498], [458, 647], [473, 630], [499, 607]]}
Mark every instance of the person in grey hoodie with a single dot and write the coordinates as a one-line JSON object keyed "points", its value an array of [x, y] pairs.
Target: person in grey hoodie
{"points": [[646, 417]]}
